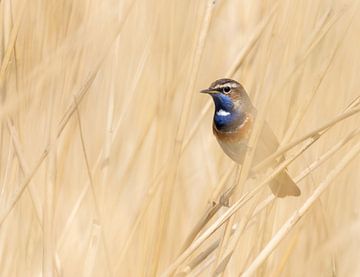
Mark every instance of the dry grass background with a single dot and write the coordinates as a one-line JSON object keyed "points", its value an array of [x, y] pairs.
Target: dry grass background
{"points": [[108, 161]]}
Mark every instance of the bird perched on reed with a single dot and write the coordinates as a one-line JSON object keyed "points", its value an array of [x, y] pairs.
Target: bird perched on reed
{"points": [[233, 121]]}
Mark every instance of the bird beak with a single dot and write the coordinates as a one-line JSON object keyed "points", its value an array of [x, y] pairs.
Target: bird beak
{"points": [[209, 91]]}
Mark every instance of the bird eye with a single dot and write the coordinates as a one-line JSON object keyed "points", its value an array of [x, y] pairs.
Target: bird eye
{"points": [[226, 89]]}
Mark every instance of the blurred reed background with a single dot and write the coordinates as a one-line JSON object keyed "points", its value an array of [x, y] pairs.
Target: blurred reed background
{"points": [[108, 162]]}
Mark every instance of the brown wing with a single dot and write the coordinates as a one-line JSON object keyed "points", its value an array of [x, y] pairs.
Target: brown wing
{"points": [[267, 144], [235, 150], [282, 185]]}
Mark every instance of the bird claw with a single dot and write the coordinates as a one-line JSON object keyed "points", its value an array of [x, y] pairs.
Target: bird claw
{"points": [[224, 201]]}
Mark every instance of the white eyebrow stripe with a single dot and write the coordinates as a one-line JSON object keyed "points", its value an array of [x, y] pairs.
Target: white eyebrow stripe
{"points": [[232, 85], [221, 112]]}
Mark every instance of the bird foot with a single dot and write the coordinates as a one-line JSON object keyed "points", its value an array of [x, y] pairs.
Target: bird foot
{"points": [[224, 200]]}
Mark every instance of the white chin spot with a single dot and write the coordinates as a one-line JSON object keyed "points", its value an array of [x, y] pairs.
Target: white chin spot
{"points": [[222, 113]]}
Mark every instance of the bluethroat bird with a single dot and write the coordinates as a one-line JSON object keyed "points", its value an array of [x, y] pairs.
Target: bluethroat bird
{"points": [[233, 121]]}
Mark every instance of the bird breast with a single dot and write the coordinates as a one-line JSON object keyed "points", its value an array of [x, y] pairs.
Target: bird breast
{"points": [[240, 133], [235, 150], [234, 142]]}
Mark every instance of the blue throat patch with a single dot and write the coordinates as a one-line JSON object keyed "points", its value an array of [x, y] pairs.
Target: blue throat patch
{"points": [[230, 121]]}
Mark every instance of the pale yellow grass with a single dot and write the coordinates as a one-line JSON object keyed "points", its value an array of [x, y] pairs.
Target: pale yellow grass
{"points": [[108, 165]]}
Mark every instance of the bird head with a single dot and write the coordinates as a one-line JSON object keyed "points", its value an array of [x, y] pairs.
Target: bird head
{"points": [[228, 96]]}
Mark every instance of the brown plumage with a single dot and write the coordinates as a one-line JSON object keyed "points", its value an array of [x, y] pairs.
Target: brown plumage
{"points": [[233, 121]]}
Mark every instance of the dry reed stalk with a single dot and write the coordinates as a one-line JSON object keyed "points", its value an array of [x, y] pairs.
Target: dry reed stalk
{"points": [[100, 159], [103, 156], [326, 156], [230, 248], [249, 45], [309, 169], [14, 103], [214, 206], [314, 40], [245, 169], [220, 188], [198, 271], [11, 44], [239, 203], [153, 189], [99, 217], [260, 207], [63, 122], [109, 134], [222, 265], [224, 217], [58, 266], [213, 210], [171, 176], [299, 213], [20, 190], [135, 82], [228, 227], [93, 249], [302, 109], [254, 37], [286, 256], [71, 217], [244, 199], [224, 241], [48, 204], [300, 113], [44, 154], [10, 157], [151, 192], [282, 149], [25, 169], [129, 132], [323, 28]]}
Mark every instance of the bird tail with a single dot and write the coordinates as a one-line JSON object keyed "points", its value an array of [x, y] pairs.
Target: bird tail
{"points": [[283, 185]]}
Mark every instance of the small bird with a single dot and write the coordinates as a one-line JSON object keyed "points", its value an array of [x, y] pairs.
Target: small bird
{"points": [[233, 121]]}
